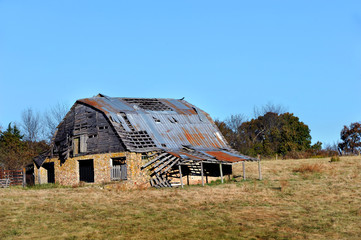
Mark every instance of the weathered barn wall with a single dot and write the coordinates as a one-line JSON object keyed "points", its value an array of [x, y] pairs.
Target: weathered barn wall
{"points": [[67, 173], [90, 124], [40, 175]]}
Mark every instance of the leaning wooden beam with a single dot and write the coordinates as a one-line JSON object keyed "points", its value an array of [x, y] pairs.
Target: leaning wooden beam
{"points": [[221, 171], [156, 183], [244, 171], [164, 181], [164, 164], [162, 161], [151, 183], [152, 155], [169, 167], [202, 174], [180, 175], [153, 161], [159, 181]]}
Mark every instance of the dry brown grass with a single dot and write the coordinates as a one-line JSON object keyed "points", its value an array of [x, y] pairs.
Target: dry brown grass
{"points": [[309, 168], [285, 205]]}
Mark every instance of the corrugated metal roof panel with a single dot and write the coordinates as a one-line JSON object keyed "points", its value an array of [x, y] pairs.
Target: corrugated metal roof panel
{"points": [[213, 156], [179, 124], [224, 156]]}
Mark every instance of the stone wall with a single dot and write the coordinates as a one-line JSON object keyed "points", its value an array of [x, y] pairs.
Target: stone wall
{"points": [[67, 173], [41, 173]]}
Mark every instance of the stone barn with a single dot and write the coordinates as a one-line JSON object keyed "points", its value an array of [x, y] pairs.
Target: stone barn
{"points": [[161, 142]]}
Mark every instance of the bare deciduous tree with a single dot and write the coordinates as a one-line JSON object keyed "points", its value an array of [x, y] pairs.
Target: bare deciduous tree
{"points": [[53, 117], [235, 121], [31, 125], [269, 107], [230, 128]]}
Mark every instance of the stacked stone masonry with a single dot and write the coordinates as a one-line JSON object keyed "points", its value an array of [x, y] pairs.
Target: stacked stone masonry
{"points": [[67, 172]]}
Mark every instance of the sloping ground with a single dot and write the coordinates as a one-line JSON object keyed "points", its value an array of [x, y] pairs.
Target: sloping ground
{"points": [[298, 199]]}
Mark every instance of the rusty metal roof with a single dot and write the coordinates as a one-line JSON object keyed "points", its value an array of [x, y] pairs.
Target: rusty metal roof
{"points": [[219, 155], [148, 124], [170, 123]]}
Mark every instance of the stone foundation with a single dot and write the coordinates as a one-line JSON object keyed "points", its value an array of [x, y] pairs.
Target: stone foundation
{"points": [[67, 173]]}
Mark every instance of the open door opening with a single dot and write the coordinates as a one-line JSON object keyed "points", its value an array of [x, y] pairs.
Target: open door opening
{"points": [[50, 171], [86, 170]]}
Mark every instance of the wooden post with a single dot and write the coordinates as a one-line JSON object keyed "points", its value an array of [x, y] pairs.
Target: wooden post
{"points": [[244, 171], [39, 178], [221, 171], [188, 179], [180, 175], [259, 168], [24, 177], [202, 174]]}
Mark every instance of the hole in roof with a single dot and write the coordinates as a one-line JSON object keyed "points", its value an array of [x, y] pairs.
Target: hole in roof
{"points": [[173, 120], [149, 104], [156, 120]]}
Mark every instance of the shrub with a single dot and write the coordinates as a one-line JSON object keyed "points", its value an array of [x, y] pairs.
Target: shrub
{"points": [[335, 159], [309, 168], [310, 153]]}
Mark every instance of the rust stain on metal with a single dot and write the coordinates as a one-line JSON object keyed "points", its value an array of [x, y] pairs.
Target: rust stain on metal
{"points": [[222, 156], [192, 138], [191, 156], [189, 111], [93, 103], [175, 154]]}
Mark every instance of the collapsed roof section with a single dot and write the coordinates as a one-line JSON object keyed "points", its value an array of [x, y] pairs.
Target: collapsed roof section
{"points": [[173, 126], [148, 124]]}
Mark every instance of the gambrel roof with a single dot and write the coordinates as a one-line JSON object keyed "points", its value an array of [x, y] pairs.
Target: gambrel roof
{"points": [[171, 125]]}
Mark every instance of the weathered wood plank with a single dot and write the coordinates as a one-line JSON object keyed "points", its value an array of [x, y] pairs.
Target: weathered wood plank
{"points": [[154, 160], [165, 164]]}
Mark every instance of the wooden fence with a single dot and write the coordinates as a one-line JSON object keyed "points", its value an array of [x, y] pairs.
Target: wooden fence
{"points": [[12, 177]]}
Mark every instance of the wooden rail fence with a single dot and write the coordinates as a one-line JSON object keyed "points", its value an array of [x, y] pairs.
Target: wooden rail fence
{"points": [[11, 177]]}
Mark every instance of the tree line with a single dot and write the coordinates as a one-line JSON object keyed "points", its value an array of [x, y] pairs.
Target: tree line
{"points": [[271, 132], [21, 142], [274, 132]]}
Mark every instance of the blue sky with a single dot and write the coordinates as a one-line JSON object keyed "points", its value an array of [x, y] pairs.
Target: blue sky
{"points": [[223, 56]]}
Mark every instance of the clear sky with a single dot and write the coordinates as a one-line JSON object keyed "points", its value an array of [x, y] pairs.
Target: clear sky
{"points": [[223, 56]]}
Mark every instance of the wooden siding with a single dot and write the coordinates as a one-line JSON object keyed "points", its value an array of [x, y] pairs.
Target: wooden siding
{"points": [[91, 128]]}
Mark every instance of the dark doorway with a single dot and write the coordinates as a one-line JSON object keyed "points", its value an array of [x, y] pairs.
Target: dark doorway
{"points": [[51, 173], [30, 175], [86, 170]]}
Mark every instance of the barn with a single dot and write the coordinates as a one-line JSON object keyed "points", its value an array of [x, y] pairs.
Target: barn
{"points": [[161, 142]]}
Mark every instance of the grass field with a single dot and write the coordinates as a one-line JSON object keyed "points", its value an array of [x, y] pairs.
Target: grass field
{"points": [[298, 199]]}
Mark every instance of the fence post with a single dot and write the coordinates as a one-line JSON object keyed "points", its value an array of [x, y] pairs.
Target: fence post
{"points": [[202, 173], [24, 177], [259, 168], [244, 170]]}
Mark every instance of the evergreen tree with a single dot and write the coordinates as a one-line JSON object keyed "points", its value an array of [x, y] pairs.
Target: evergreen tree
{"points": [[14, 153]]}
